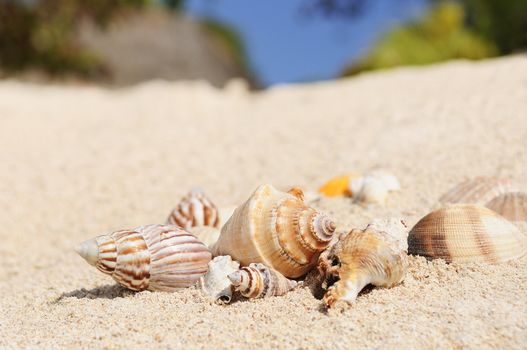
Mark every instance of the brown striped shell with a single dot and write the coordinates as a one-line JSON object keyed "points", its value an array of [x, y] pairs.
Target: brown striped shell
{"points": [[195, 209], [512, 206], [277, 229], [375, 255], [154, 257], [260, 281], [467, 233], [478, 190]]}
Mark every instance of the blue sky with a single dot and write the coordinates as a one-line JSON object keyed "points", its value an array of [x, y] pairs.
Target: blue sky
{"points": [[286, 46]]}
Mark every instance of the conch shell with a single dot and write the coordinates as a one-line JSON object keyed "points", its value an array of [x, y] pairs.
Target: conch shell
{"points": [[153, 257], [277, 229], [512, 206], [215, 284], [260, 281], [376, 256], [467, 233], [479, 190]]}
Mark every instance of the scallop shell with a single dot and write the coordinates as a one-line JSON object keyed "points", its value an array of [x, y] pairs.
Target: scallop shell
{"points": [[467, 233], [277, 229], [215, 284], [260, 281], [375, 255], [154, 257], [512, 206], [479, 190], [195, 209]]}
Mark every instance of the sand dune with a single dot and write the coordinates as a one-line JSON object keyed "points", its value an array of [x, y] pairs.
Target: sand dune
{"points": [[76, 162]]}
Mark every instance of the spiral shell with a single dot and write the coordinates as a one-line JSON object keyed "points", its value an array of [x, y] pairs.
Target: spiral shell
{"points": [[215, 284], [260, 281], [277, 229], [479, 190], [195, 209], [512, 206], [375, 255], [467, 233], [154, 257]]}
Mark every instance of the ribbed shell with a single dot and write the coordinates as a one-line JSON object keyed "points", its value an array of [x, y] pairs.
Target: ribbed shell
{"points": [[479, 190], [195, 209], [260, 281], [277, 229], [154, 257], [362, 257], [467, 233], [512, 206]]}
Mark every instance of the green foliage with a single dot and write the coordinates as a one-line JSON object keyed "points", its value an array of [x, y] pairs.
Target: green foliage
{"points": [[503, 22], [41, 35], [229, 39], [439, 36]]}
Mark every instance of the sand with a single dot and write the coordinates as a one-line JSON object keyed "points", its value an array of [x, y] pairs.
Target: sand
{"points": [[76, 162]]}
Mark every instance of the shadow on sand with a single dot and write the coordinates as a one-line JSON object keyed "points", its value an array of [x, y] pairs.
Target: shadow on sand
{"points": [[105, 292]]}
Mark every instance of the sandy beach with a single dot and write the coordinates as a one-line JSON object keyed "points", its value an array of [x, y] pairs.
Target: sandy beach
{"points": [[77, 162]]}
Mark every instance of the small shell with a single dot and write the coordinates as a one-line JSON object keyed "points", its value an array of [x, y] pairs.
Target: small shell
{"points": [[195, 209], [215, 284], [374, 187], [154, 257], [467, 233], [260, 281], [277, 229], [371, 256], [479, 190], [512, 206], [338, 186]]}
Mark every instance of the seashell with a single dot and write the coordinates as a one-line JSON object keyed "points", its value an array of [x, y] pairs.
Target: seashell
{"points": [[277, 229], [215, 284], [195, 209], [374, 187], [467, 233], [479, 190], [153, 257], [369, 190], [260, 281], [512, 206], [375, 255], [338, 186]]}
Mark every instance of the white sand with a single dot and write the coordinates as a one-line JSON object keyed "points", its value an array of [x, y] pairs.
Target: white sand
{"points": [[79, 162]]}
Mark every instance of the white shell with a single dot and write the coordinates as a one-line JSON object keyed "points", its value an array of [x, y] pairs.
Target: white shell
{"points": [[154, 257], [373, 187], [215, 284]]}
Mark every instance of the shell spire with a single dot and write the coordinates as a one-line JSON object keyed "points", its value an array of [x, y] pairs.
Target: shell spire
{"points": [[277, 229], [374, 256], [260, 281], [154, 257]]}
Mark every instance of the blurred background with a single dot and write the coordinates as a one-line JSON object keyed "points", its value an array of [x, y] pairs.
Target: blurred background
{"points": [[122, 42]]}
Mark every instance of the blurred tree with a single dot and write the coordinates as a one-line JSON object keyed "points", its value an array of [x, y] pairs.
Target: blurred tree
{"points": [[439, 36], [472, 29], [40, 34]]}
